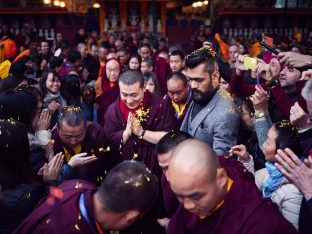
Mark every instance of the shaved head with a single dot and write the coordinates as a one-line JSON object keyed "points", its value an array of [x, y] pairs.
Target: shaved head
{"points": [[195, 157], [195, 176]]}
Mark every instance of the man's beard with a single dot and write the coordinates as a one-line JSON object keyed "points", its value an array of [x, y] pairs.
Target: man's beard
{"points": [[203, 98]]}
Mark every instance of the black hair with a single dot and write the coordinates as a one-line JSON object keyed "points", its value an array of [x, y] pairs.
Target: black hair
{"points": [[44, 40], [179, 76], [129, 186], [287, 137], [72, 115], [64, 45], [44, 78], [73, 56], [205, 56], [151, 75], [123, 49], [15, 157], [70, 90], [11, 83], [179, 53], [18, 69], [170, 141], [148, 61], [131, 77], [145, 45], [20, 105], [137, 57], [55, 62]]}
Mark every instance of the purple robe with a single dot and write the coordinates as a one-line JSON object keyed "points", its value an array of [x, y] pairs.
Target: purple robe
{"points": [[95, 142], [181, 117], [104, 100], [59, 212], [170, 199], [244, 210], [160, 118]]}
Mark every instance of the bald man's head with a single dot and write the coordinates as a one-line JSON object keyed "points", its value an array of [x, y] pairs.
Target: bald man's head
{"points": [[194, 156], [196, 177]]}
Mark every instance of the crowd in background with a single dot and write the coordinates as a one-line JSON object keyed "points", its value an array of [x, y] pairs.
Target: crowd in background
{"points": [[67, 112]]}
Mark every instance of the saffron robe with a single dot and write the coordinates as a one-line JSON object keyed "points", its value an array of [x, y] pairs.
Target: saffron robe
{"points": [[243, 211]]}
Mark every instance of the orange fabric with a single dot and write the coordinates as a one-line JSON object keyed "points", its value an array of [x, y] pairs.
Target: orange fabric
{"points": [[223, 47], [10, 49], [1, 53], [24, 53], [98, 87], [229, 186], [255, 50], [298, 36]]}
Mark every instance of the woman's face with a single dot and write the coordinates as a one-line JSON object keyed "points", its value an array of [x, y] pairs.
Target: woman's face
{"points": [[150, 86], [225, 84], [269, 146], [53, 83], [35, 118], [246, 118], [134, 64]]}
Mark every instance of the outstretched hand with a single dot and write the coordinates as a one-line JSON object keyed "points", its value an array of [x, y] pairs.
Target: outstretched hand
{"points": [[259, 99], [292, 59], [81, 159], [296, 171]]}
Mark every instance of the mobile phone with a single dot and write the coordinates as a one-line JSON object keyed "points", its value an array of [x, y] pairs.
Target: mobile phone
{"points": [[250, 63]]}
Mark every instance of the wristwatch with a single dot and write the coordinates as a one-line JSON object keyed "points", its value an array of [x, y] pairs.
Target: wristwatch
{"points": [[142, 134]]}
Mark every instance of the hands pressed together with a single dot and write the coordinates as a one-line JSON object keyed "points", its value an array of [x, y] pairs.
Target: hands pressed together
{"points": [[133, 127]]}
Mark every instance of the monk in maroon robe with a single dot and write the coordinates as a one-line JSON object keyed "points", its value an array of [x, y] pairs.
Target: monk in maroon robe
{"points": [[218, 199], [106, 86], [84, 145], [179, 95], [164, 149], [135, 122], [77, 206]]}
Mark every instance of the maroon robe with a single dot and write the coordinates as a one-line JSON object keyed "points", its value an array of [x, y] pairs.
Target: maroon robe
{"points": [[244, 210], [59, 212], [170, 199], [109, 94], [181, 117], [160, 118], [162, 70], [95, 142], [107, 97]]}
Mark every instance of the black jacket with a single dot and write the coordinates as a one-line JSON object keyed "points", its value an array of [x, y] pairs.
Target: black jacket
{"points": [[16, 204]]}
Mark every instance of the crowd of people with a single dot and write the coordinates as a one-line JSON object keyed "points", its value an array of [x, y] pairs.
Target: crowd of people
{"points": [[123, 133]]}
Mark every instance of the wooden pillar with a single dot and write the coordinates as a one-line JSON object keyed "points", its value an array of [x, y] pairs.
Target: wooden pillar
{"points": [[144, 12], [123, 14], [163, 17], [102, 18]]}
